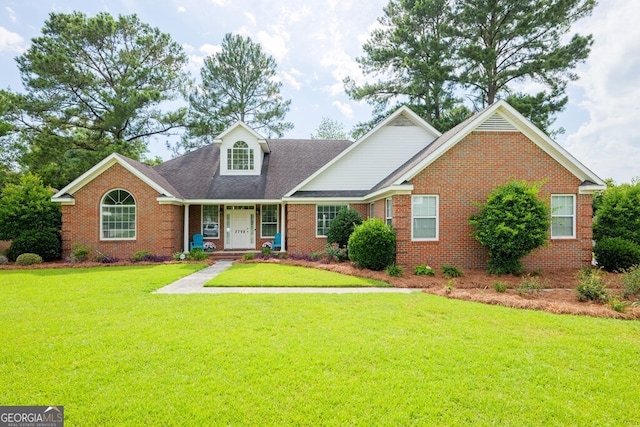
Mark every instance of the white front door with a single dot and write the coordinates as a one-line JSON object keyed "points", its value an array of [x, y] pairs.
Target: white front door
{"points": [[240, 227]]}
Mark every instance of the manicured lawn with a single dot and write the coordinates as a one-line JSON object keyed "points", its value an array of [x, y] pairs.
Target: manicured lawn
{"points": [[99, 343], [262, 274]]}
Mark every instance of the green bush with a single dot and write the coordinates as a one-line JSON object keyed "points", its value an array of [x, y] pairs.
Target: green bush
{"points": [[394, 270], [79, 253], [248, 256], [28, 259], [512, 223], [450, 271], [342, 226], [424, 270], [591, 286], [631, 282], [372, 245], [200, 255], [45, 243], [500, 287], [335, 252], [616, 253], [140, 256], [617, 305], [530, 286], [617, 213]]}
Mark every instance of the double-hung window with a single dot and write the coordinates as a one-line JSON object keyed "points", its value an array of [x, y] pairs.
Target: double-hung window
{"points": [[268, 220], [240, 157], [563, 216], [324, 216], [389, 210], [211, 221], [424, 218], [118, 216]]}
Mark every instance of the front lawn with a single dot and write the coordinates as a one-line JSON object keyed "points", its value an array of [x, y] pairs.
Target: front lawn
{"points": [[100, 343], [280, 275]]}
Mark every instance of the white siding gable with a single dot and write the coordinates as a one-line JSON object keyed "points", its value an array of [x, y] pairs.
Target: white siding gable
{"points": [[240, 133], [374, 158]]}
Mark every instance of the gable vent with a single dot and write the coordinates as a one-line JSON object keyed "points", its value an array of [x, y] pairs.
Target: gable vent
{"points": [[496, 123], [401, 121]]}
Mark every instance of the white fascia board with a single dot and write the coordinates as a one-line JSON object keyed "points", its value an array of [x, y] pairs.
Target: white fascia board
{"points": [[170, 201], [70, 201], [590, 189], [231, 201], [390, 191], [325, 200], [404, 109]]}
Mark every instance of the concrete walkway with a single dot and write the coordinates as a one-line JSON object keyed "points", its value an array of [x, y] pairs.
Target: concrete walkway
{"points": [[194, 284]]}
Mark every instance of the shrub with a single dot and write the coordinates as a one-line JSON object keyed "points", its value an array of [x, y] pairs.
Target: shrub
{"points": [[342, 225], [617, 305], [28, 259], [139, 256], [248, 256], [45, 243], [3, 260], [265, 250], [335, 253], [79, 253], [372, 245], [450, 271], [200, 255], [631, 281], [591, 287], [394, 270], [530, 286], [500, 287], [180, 256], [617, 213], [424, 270], [105, 259], [315, 256], [512, 223], [616, 253]]}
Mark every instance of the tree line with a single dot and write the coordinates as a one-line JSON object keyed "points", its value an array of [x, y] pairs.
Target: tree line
{"points": [[94, 85]]}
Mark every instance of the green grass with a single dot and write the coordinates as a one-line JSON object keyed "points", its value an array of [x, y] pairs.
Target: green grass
{"points": [[262, 274], [99, 343]]}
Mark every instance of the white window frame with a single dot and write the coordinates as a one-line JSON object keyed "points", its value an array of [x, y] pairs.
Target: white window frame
{"points": [[102, 212], [240, 157], [339, 206], [388, 209], [436, 217], [262, 222], [572, 216], [216, 209]]}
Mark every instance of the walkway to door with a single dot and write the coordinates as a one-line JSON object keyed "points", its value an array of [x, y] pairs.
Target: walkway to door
{"points": [[194, 284]]}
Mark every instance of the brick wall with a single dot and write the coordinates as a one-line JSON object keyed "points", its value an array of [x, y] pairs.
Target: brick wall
{"points": [[158, 227], [466, 174]]}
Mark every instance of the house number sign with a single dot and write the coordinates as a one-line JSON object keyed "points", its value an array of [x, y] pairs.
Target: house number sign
{"points": [[241, 231]]}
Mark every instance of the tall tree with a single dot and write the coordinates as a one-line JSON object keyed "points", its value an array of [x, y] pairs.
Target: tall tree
{"points": [[411, 58], [329, 129], [238, 84], [504, 41], [94, 86]]}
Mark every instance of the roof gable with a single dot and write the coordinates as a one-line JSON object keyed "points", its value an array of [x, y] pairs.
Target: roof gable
{"points": [[264, 145], [145, 173]]}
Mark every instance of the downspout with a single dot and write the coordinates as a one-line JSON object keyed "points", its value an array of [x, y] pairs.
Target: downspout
{"points": [[186, 227], [283, 227]]}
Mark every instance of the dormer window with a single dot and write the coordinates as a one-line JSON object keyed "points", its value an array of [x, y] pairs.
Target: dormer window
{"points": [[240, 157]]}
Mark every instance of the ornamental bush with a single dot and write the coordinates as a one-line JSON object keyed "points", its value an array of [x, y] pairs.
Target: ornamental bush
{"points": [[46, 243], [342, 226], [372, 245], [617, 213], [512, 223], [29, 259], [616, 253]]}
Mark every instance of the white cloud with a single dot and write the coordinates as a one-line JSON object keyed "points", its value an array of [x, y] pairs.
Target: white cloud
{"points": [[289, 79], [609, 142], [344, 108], [210, 49], [182, 9], [341, 65], [218, 2], [12, 14], [275, 45], [251, 18], [11, 42]]}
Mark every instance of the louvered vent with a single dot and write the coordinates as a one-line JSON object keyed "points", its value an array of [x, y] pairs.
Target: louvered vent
{"points": [[497, 123]]}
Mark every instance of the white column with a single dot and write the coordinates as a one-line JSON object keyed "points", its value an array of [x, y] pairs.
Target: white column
{"points": [[186, 228], [283, 227]]}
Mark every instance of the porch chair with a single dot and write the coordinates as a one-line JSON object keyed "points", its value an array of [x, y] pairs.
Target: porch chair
{"points": [[198, 242], [277, 241]]}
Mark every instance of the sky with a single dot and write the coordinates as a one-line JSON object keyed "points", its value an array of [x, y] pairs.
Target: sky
{"points": [[316, 43]]}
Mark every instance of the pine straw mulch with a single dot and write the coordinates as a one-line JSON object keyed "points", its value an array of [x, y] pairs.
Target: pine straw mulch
{"points": [[559, 295]]}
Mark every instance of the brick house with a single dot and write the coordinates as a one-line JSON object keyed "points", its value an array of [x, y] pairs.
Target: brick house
{"points": [[241, 190]]}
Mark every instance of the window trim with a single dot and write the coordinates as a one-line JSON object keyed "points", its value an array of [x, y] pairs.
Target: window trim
{"points": [[217, 210], [237, 153], [135, 216], [340, 206], [573, 217], [277, 223], [388, 206], [437, 218]]}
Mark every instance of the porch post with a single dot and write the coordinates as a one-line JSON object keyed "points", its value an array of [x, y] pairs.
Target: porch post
{"points": [[283, 228], [186, 227]]}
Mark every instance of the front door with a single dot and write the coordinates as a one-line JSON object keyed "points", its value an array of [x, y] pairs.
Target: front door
{"points": [[240, 227]]}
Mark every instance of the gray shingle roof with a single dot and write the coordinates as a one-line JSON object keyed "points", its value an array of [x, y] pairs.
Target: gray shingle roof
{"points": [[196, 175]]}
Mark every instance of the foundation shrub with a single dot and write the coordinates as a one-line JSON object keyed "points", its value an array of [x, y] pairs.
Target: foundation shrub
{"points": [[79, 253], [451, 271], [45, 243], [631, 281], [342, 226], [372, 245], [394, 270], [616, 253], [28, 259], [424, 270], [591, 287]]}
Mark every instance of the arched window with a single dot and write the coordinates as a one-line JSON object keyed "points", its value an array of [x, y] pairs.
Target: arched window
{"points": [[118, 215], [240, 157]]}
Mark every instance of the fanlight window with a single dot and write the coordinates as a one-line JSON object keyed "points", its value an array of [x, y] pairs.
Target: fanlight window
{"points": [[118, 215], [240, 157]]}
